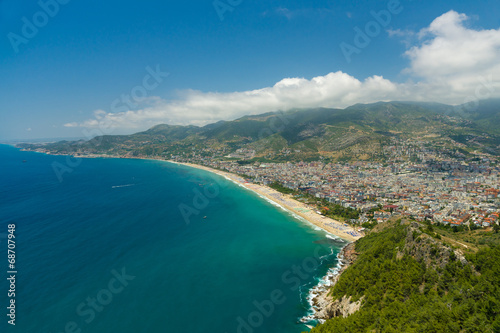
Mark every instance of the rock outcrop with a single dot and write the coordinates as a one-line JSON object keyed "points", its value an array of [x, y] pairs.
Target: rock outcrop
{"points": [[339, 308], [427, 249], [326, 306]]}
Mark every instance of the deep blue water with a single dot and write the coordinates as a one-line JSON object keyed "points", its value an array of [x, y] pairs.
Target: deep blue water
{"points": [[106, 248]]}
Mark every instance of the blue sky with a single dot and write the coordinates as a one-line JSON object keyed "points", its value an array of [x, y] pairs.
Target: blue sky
{"points": [[93, 67]]}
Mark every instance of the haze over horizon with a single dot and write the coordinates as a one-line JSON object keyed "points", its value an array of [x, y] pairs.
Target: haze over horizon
{"points": [[125, 68]]}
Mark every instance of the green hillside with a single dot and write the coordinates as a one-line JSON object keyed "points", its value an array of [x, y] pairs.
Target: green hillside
{"points": [[408, 281], [358, 132]]}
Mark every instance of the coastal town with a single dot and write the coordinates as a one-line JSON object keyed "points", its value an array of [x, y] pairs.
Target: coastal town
{"points": [[415, 179], [435, 187]]}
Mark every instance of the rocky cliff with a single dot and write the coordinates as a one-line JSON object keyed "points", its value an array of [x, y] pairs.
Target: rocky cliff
{"points": [[326, 306]]}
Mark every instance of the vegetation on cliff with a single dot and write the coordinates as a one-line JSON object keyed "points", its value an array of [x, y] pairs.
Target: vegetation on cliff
{"points": [[410, 281]]}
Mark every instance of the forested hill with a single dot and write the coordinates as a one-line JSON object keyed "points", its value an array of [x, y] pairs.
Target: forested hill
{"points": [[410, 278]]}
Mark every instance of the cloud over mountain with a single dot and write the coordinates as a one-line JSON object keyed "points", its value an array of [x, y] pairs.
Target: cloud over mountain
{"points": [[450, 63]]}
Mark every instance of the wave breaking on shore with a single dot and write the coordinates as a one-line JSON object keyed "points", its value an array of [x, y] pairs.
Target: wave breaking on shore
{"points": [[318, 298], [321, 290]]}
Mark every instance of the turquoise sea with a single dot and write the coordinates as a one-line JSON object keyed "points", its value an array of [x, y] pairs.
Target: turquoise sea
{"points": [[117, 245]]}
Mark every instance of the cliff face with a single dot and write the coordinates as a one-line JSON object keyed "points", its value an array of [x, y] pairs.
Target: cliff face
{"points": [[338, 308], [431, 251], [328, 307]]}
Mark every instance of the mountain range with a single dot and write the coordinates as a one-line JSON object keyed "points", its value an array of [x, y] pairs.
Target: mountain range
{"points": [[359, 132]]}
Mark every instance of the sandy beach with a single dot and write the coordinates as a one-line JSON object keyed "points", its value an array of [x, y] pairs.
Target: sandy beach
{"points": [[298, 208], [308, 213]]}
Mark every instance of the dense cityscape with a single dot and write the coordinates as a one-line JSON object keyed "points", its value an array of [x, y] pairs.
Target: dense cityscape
{"points": [[434, 187]]}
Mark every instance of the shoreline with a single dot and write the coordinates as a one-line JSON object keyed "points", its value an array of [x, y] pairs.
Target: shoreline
{"points": [[285, 201], [318, 299], [321, 303]]}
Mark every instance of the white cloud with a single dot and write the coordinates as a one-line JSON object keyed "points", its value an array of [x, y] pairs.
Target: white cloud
{"points": [[407, 37], [451, 63], [309, 13], [453, 56], [284, 12], [199, 108]]}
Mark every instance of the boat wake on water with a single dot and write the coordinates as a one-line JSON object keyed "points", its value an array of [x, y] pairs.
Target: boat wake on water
{"points": [[118, 186]]}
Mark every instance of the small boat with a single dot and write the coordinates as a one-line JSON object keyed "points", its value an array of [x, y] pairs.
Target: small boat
{"points": [[24, 161], [204, 217]]}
